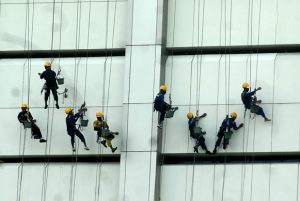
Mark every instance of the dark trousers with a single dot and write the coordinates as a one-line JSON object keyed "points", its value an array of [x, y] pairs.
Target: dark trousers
{"points": [[257, 110], [220, 135], [261, 112], [78, 134], [36, 132], [163, 109], [200, 141], [54, 93]]}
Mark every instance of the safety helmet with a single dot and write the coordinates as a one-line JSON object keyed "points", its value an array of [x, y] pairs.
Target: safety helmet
{"points": [[245, 85], [68, 110], [233, 114], [24, 105], [163, 87], [189, 115], [47, 64], [99, 114]]}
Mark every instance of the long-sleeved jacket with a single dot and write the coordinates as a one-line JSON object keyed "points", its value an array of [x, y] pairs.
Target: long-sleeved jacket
{"points": [[71, 121], [98, 125], [159, 101], [247, 98], [50, 77], [24, 116], [192, 123], [228, 124]]}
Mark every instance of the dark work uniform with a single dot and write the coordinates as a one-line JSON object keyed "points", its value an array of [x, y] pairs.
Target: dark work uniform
{"points": [[161, 106], [25, 116], [72, 130], [228, 124], [200, 140], [250, 104], [51, 84]]}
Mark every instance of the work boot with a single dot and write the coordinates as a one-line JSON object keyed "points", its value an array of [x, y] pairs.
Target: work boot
{"points": [[73, 149], [214, 151], [116, 133], [196, 149], [207, 152], [103, 143], [114, 149], [46, 106], [159, 126], [57, 106], [266, 119], [86, 148], [42, 140], [224, 147]]}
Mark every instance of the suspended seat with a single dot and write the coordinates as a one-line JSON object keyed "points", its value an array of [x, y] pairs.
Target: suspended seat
{"points": [[27, 124], [198, 131], [228, 134], [254, 108], [105, 132], [170, 113]]}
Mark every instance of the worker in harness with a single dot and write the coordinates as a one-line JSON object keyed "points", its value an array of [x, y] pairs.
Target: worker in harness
{"points": [[71, 126], [25, 116], [51, 84], [103, 132], [161, 106], [196, 132], [225, 131], [250, 101]]}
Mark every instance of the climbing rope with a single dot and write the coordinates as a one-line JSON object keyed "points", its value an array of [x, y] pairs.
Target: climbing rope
{"points": [[21, 166]]}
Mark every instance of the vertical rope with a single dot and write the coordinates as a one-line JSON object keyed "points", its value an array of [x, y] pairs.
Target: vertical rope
{"points": [[21, 166]]}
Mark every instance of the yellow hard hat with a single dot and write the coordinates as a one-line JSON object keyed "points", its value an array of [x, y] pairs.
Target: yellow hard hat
{"points": [[163, 87], [245, 85], [24, 105], [189, 115], [233, 114], [99, 114], [47, 64], [68, 110]]}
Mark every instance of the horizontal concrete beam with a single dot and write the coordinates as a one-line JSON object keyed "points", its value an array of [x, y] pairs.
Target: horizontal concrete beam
{"points": [[245, 49], [62, 53], [62, 158], [231, 158]]}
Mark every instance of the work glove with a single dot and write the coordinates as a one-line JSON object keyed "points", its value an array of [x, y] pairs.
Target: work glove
{"points": [[241, 125]]}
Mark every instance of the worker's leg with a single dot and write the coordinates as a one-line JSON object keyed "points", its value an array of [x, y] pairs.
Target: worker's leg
{"points": [[219, 140], [72, 135], [262, 113], [36, 132], [225, 142], [80, 136], [108, 142], [55, 96], [47, 94]]}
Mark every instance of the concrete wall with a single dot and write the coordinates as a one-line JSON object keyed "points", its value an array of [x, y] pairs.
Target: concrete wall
{"points": [[86, 77], [85, 25], [236, 22], [57, 182], [219, 93]]}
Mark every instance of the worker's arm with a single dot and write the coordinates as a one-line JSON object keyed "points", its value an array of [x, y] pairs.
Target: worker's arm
{"points": [[200, 117]]}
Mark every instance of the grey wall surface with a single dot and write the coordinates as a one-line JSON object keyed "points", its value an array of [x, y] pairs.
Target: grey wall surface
{"points": [[259, 182], [98, 81], [234, 22], [63, 181], [219, 79], [75, 24]]}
